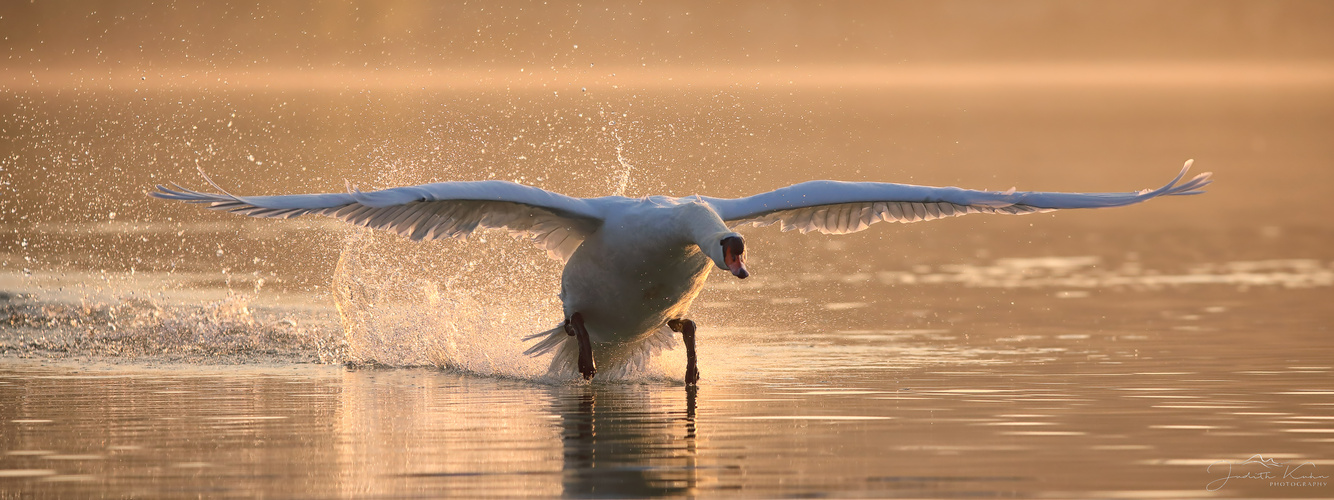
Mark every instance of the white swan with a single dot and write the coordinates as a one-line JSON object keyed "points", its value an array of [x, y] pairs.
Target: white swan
{"points": [[633, 266]]}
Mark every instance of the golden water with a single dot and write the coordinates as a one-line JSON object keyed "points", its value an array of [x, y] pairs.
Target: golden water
{"points": [[153, 349]]}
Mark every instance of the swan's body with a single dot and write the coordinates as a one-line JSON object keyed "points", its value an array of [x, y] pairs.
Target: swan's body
{"points": [[667, 267], [633, 266]]}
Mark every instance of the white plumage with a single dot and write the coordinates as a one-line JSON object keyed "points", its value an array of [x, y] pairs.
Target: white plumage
{"points": [[633, 265]]}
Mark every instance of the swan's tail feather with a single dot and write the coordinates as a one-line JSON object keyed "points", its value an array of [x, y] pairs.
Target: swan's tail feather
{"points": [[550, 339], [614, 361], [664, 339]]}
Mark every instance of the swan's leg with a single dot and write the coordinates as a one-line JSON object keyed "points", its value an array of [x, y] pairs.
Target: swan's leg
{"points": [[687, 329], [574, 327]]}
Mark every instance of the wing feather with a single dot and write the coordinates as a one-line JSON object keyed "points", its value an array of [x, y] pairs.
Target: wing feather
{"points": [[838, 218], [833, 207], [866, 217], [553, 222], [895, 211]]}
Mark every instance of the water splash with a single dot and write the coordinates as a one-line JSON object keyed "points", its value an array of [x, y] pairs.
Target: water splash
{"points": [[626, 167], [224, 330], [396, 317], [404, 303]]}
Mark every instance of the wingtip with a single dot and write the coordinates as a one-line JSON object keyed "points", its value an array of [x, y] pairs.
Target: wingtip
{"points": [[1201, 176], [1192, 186], [211, 183], [167, 193], [1183, 170]]}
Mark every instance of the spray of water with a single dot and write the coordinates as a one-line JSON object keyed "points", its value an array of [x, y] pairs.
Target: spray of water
{"points": [[226, 330], [457, 305], [626, 168]]}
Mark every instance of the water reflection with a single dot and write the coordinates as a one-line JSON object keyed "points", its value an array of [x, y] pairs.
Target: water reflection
{"points": [[427, 432], [627, 441], [414, 432], [1070, 427]]}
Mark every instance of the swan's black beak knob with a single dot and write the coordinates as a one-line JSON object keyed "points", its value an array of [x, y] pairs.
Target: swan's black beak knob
{"points": [[734, 249]]}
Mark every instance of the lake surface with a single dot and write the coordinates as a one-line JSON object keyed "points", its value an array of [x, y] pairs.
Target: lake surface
{"points": [[151, 349], [1144, 394]]}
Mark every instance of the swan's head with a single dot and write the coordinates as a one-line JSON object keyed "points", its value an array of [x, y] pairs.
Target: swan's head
{"points": [[729, 253]]}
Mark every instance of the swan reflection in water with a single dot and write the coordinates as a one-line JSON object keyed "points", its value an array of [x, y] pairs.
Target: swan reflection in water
{"points": [[422, 432], [627, 441]]}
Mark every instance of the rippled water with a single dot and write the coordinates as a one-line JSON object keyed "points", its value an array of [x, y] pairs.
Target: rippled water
{"points": [[152, 349], [967, 409], [1054, 377]]}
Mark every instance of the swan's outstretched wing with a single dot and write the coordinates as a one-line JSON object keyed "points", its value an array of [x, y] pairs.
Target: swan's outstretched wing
{"points": [[833, 207], [556, 223]]}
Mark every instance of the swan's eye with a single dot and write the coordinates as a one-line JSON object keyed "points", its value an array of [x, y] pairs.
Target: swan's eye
{"points": [[732, 245], [733, 250]]}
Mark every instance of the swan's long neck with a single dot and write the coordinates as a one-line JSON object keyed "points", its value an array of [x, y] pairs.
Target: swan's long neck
{"points": [[703, 226]]}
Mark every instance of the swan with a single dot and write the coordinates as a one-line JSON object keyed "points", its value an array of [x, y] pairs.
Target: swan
{"points": [[633, 266]]}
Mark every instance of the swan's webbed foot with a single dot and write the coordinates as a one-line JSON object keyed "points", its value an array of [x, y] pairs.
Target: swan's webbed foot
{"points": [[687, 329], [574, 326]]}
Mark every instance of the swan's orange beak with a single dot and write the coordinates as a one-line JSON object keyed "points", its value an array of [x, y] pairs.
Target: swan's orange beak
{"points": [[734, 256]]}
